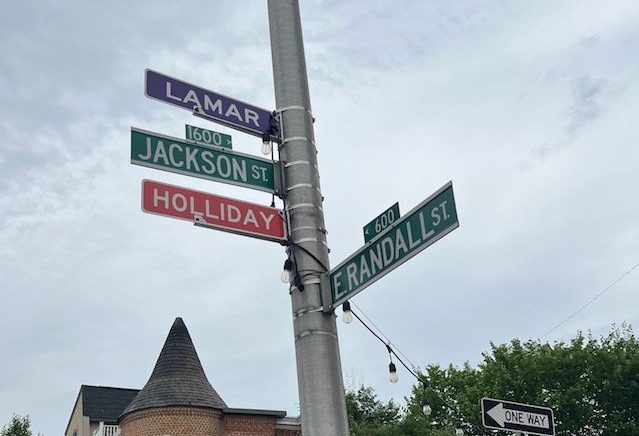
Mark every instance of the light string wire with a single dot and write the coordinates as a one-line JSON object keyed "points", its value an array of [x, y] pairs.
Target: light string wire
{"points": [[419, 377], [370, 321]]}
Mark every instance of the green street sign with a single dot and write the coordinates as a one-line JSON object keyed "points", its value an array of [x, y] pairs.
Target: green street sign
{"points": [[428, 222], [381, 222], [175, 155], [209, 137]]}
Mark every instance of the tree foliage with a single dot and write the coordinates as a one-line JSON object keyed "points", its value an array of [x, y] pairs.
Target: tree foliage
{"points": [[18, 426], [370, 417], [591, 384]]}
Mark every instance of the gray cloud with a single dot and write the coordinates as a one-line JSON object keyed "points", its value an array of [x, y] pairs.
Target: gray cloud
{"points": [[407, 96], [588, 99]]}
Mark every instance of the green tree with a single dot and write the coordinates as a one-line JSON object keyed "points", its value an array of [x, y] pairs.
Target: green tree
{"points": [[591, 384], [19, 426], [370, 417]]}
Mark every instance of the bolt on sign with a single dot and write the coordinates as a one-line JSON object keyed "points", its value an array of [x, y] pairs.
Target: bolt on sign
{"points": [[428, 222], [214, 211], [175, 155]]}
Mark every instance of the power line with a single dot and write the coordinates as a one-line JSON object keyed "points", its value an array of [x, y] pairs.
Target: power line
{"points": [[592, 300]]}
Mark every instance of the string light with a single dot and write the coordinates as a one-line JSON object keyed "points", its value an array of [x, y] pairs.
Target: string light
{"points": [[392, 373], [392, 369], [286, 271], [426, 409], [266, 147], [347, 315], [392, 376]]}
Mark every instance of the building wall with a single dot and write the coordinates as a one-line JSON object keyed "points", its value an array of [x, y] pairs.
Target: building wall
{"points": [[249, 425], [173, 421], [78, 424], [93, 427]]}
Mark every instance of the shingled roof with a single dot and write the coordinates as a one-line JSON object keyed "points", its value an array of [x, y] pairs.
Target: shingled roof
{"points": [[101, 403], [178, 378]]}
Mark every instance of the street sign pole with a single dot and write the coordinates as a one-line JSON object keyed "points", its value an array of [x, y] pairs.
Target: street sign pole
{"points": [[319, 374]]}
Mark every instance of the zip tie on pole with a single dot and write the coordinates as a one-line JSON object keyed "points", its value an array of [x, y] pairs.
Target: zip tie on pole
{"points": [[319, 229], [304, 205], [295, 107], [315, 332], [299, 162], [302, 185], [297, 138], [311, 240], [307, 310]]}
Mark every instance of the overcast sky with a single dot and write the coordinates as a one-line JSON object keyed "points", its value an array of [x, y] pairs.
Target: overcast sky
{"points": [[529, 107]]}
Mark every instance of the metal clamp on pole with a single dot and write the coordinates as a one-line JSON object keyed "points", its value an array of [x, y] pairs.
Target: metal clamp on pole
{"points": [[296, 107], [327, 296]]}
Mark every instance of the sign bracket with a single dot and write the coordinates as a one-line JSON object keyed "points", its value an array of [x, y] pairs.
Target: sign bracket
{"points": [[325, 293]]}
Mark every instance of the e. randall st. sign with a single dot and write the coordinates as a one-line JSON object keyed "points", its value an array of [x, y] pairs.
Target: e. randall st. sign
{"points": [[429, 221]]}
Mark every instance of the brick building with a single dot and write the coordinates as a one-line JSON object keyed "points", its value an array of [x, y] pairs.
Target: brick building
{"points": [[177, 400]]}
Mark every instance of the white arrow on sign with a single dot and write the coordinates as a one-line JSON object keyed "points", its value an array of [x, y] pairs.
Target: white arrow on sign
{"points": [[501, 416]]}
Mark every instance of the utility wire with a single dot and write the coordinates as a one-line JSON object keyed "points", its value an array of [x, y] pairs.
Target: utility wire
{"points": [[592, 300]]}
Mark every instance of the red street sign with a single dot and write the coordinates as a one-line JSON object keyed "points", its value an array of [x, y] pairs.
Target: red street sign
{"points": [[215, 211]]}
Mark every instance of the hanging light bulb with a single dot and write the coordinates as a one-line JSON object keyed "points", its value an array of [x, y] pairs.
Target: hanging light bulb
{"points": [[392, 373], [347, 315], [286, 271], [459, 432], [266, 146], [426, 409]]}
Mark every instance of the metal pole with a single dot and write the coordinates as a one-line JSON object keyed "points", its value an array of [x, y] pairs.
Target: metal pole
{"points": [[319, 373]]}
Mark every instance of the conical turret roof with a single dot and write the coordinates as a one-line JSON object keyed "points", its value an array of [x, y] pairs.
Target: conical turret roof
{"points": [[178, 378]]}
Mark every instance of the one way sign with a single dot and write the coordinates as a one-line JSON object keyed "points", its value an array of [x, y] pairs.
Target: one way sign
{"points": [[506, 415]]}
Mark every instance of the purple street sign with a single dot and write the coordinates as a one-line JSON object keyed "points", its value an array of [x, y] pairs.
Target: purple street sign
{"points": [[217, 107]]}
